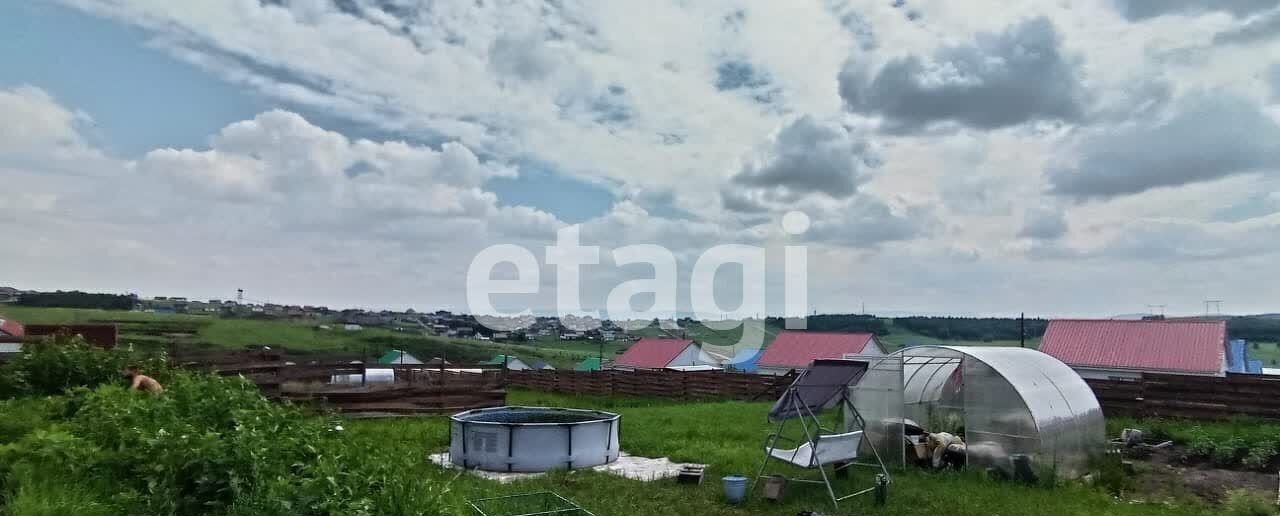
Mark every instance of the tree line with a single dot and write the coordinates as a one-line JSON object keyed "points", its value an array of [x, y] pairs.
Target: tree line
{"points": [[77, 299]]}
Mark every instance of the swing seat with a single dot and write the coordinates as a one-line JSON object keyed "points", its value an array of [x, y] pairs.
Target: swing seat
{"points": [[825, 449]]}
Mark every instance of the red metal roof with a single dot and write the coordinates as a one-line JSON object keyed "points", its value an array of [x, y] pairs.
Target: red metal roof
{"points": [[11, 327], [797, 349], [652, 353], [1175, 346]]}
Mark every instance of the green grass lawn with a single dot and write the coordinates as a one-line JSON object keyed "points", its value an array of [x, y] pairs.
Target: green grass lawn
{"points": [[582, 348], [1267, 352], [901, 337], [304, 336], [728, 437]]}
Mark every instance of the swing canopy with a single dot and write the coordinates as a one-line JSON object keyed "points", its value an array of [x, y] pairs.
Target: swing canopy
{"points": [[818, 388]]}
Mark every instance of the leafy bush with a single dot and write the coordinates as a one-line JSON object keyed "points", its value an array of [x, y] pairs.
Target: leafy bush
{"points": [[1247, 442], [55, 365], [1110, 475], [208, 445], [1261, 454], [1242, 502]]}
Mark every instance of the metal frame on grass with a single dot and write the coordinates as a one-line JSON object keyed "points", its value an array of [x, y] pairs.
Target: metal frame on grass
{"points": [[804, 411], [564, 506]]}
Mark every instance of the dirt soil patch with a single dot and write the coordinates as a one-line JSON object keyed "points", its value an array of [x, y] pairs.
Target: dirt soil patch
{"points": [[1168, 474]]}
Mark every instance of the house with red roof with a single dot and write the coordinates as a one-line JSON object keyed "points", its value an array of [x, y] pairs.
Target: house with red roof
{"points": [[11, 329], [11, 335], [655, 353], [795, 350], [1120, 349]]}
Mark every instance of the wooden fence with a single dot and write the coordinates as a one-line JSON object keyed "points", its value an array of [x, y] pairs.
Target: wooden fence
{"points": [[1195, 397], [702, 385], [417, 388]]}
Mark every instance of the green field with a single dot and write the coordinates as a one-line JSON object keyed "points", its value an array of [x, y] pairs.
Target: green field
{"points": [[213, 445], [728, 437], [198, 332], [899, 337]]}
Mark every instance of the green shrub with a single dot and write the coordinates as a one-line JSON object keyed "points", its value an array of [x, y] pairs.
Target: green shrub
{"points": [[1110, 475], [212, 445], [55, 365], [1260, 455], [1242, 502]]}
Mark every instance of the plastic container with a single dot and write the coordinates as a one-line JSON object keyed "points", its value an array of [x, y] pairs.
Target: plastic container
{"points": [[735, 488]]}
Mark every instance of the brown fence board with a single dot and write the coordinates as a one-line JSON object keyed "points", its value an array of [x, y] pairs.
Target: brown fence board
{"points": [[700, 385], [1194, 397]]}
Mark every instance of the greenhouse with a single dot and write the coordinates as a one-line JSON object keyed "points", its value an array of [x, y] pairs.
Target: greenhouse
{"points": [[1015, 407]]}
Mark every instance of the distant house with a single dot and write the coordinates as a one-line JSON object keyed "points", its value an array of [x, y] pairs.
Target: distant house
{"points": [[795, 350], [1116, 349], [513, 363], [396, 356], [743, 361], [9, 350], [9, 294], [539, 365], [1238, 360], [695, 368], [588, 364], [653, 353], [11, 329]]}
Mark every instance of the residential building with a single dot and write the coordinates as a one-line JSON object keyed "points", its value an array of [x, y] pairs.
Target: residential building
{"points": [[396, 356], [654, 353], [513, 363], [1121, 349], [795, 350], [589, 364], [743, 361]]}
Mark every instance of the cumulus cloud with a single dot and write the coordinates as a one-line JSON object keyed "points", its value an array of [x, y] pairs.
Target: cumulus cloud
{"points": [[1275, 82], [1207, 137], [999, 80], [866, 222], [526, 57], [1258, 28], [1163, 240], [1043, 224], [808, 156], [1143, 9], [34, 127]]}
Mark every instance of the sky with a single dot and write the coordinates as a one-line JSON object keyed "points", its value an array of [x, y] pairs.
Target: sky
{"points": [[1059, 158]]}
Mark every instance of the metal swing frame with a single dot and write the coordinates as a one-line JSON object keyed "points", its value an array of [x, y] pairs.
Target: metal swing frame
{"points": [[803, 411]]}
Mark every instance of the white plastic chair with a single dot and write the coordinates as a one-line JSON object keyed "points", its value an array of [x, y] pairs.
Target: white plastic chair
{"points": [[825, 449]]}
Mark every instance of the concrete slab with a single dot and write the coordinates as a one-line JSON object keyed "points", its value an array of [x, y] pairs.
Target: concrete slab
{"points": [[628, 466]]}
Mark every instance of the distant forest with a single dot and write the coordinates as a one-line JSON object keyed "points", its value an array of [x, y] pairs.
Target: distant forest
{"points": [[77, 299], [1262, 328], [1258, 328]]}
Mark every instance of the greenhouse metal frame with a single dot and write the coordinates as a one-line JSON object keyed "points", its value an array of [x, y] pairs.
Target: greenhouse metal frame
{"points": [[1007, 402]]}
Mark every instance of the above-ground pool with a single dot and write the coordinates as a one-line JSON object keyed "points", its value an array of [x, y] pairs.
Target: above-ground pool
{"points": [[533, 439]]}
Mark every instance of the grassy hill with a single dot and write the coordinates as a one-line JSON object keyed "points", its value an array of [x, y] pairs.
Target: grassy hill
{"points": [[202, 333]]}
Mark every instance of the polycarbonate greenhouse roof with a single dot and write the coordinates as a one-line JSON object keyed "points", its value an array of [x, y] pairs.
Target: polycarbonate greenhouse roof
{"points": [[1013, 400]]}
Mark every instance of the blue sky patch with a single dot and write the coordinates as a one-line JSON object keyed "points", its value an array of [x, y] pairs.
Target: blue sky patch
{"points": [[540, 186]]}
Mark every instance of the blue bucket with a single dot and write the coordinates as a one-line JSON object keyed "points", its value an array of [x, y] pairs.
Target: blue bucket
{"points": [[735, 488]]}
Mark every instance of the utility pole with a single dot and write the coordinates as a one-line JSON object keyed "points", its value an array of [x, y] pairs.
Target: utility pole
{"points": [[1215, 303], [1022, 329]]}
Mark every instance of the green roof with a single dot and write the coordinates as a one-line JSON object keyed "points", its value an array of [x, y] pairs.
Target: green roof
{"points": [[588, 364], [500, 359], [396, 356]]}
